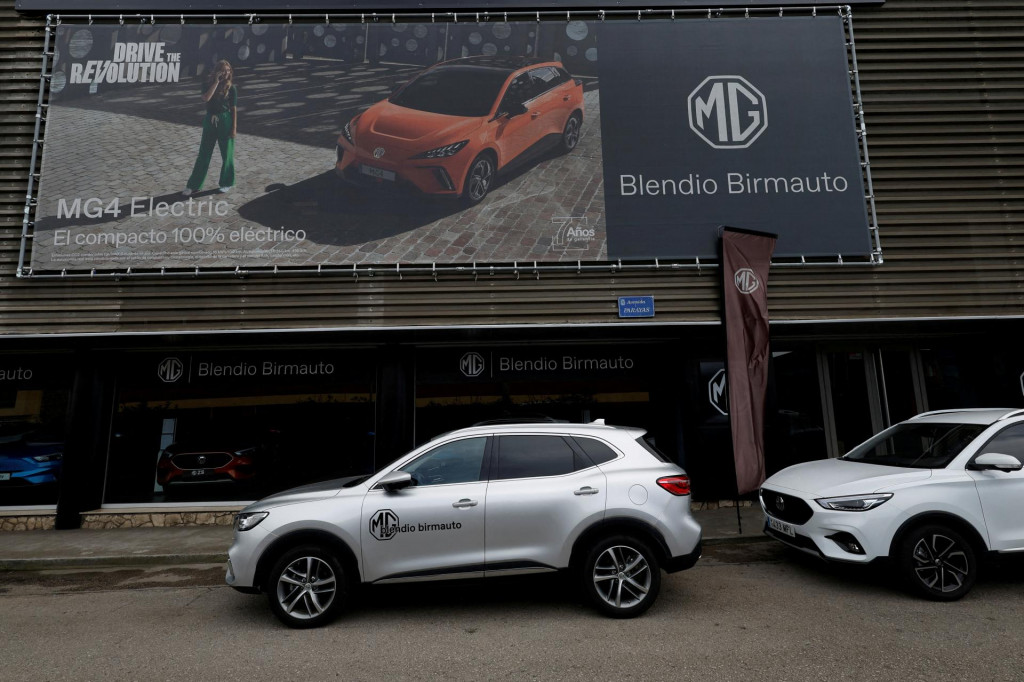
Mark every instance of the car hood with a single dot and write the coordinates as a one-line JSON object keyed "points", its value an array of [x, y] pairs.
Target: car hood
{"points": [[413, 127], [311, 491], [832, 477]]}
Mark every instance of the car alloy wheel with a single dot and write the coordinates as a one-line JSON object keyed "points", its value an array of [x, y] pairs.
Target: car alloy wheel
{"points": [[938, 563], [306, 588], [571, 133], [479, 179], [622, 577]]}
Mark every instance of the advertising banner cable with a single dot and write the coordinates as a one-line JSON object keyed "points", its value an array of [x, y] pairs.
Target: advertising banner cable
{"points": [[187, 147]]}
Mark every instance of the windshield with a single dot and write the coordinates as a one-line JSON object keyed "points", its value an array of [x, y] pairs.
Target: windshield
{"points": [[916, 444], [453, 90]]}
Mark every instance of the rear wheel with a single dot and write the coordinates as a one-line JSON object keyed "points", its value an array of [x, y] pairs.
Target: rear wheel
{"points": [[306, 587], [938, 563], [571, 133], [621, 577]]}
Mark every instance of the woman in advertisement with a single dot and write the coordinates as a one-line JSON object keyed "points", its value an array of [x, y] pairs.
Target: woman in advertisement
{"points": [[220, 125]]}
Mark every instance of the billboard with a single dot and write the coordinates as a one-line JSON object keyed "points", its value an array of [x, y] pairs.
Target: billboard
{"points": [[262, 145]]}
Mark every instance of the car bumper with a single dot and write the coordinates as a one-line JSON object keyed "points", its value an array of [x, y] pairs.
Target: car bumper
{"points": [[851, 537], [440, 177], [243, 557], [681, 563]]}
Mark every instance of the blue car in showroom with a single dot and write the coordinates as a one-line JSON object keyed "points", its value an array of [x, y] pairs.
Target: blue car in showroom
{"points": [[29, 458]]}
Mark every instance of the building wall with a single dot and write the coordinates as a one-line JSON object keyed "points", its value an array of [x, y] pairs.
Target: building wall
{"points": [[943, 84]]}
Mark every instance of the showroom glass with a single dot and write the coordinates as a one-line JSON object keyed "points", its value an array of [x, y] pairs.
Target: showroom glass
{"points": [[916, 444], [457, 462], [534, 456], [453, 91], [1008, 442]]}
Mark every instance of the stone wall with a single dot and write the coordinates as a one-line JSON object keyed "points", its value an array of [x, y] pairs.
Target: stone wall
{"points": [[27, 522], [158, 519]]}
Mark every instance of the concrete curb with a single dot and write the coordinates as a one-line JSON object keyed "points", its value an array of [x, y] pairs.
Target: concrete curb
{"points": [[39, 564]]}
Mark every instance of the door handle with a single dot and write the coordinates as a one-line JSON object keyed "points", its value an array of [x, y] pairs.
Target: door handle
{"points": [[464, 503], [585, 490]]}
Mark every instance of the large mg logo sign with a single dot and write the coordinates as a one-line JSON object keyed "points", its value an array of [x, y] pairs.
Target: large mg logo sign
{"points": [[727, 112]]}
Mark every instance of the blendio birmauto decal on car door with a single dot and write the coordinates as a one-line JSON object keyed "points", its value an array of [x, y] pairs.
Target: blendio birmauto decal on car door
{"points": [[211, 145], [385, 525]]}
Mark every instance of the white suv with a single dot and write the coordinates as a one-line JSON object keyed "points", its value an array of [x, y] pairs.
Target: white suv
{"points": [[485, 501], [933, 493]]}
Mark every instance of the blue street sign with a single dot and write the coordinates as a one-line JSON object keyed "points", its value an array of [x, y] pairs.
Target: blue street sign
{"points": [[636, 306]]}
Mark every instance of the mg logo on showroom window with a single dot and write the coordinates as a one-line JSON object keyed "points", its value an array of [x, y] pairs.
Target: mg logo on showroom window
{"points": [[727, 112], [472, 364], [384, 524], [170, 370], [718, 392], [746, 281]]}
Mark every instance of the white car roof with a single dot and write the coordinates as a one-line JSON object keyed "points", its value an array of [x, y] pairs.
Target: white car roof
{"points": [[593, 428], [980, 415]]}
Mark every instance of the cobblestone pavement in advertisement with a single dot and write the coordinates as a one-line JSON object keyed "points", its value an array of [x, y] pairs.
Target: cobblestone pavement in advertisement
{"points": [[141, 142]]}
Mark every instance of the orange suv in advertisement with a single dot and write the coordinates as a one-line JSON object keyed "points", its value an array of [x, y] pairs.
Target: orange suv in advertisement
{"points": [[451, 129]]}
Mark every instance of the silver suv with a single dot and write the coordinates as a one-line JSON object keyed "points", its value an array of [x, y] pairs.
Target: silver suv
{"points": [[485, 501]]}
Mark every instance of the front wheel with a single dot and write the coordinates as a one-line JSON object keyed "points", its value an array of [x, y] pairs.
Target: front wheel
{"points": [[306, 587], [621, 577], [938, 563], [479, 180]]}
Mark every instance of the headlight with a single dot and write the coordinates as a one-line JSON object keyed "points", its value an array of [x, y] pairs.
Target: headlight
{"points": [[347, 132], [47, 458], [245, 452], [443, 152], [854, 502], [249, 520]]}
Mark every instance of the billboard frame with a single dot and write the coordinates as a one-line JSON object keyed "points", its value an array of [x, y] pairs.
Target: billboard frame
{"points": [[474, 269]]}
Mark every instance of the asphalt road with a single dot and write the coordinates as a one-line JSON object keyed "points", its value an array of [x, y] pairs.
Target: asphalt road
{"points": [[747, 611]]}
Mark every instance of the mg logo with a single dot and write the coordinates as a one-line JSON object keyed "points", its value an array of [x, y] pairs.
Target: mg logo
{"points": [[170, 370], [727, 112], [746, 281], [378, 152], [718, 392], [384, 524], [472, 364]]}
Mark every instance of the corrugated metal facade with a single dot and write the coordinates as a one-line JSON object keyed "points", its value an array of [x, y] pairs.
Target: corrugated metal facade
{"points": [[943, 88]]}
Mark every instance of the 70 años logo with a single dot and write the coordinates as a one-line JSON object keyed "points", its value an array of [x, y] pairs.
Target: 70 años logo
{"points": [[727, 112]]}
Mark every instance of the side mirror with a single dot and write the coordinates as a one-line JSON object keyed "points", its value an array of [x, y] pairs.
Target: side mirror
{"points": [[396, 480], [517, 109], [996, 461]]}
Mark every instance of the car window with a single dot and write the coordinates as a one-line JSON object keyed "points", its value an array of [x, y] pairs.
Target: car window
{"points": [[452, 90], [460, 461], [598, 452], [519, 90], [923, 445], [543, 79], [532, 456], [1009, 441]]}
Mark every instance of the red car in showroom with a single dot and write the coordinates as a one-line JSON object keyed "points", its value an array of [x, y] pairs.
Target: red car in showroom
{"points": [[451, 129]]}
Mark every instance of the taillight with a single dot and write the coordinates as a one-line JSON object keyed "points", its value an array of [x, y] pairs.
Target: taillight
{"points": [[677, 485]]}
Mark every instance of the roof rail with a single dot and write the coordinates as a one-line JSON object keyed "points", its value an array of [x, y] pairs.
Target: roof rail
{"points": [[1010, 415]]}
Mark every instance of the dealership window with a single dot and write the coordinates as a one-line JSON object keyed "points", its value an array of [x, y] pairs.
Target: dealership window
{"points": [[34, 394], [210, 427]]}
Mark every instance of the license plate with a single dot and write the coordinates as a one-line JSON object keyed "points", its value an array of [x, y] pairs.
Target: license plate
{"points": [[5, 477], [198, 472], [781, 527], [377, 172]]}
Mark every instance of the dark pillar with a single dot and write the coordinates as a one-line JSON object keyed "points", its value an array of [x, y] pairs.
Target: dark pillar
{"points": [[396, 404], [85, 448]]}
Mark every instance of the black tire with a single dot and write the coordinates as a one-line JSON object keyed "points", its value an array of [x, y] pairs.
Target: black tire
{"points": [[570, 133], [479, 179], [937, 563], [307, 587], [621, 576]]}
